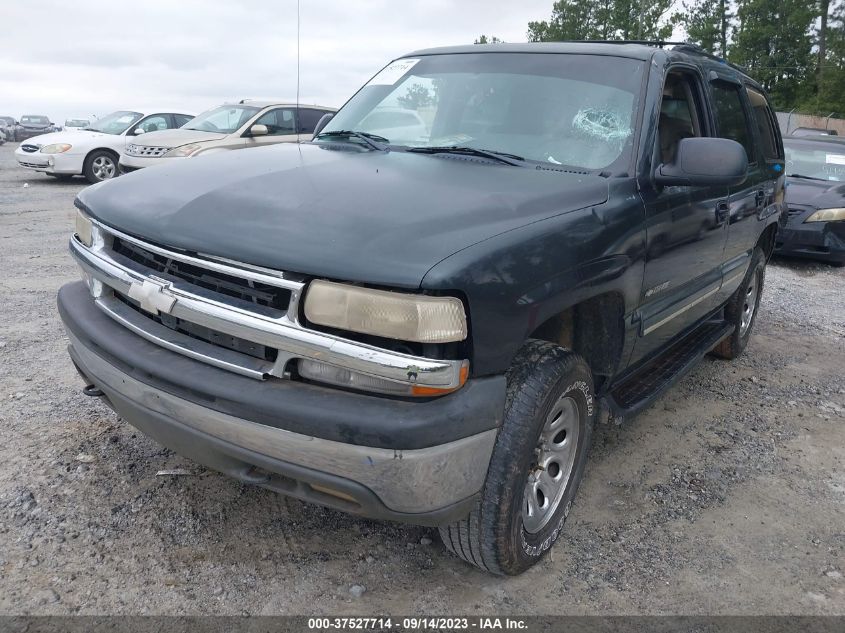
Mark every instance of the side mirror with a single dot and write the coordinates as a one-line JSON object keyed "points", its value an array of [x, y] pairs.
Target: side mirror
{"points": [[138, 131], [324, 120], [703, 162], [258, 130]]}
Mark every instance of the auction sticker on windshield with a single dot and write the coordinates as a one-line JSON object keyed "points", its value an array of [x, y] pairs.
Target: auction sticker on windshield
{"points": [[391, 73], [835, 159]]}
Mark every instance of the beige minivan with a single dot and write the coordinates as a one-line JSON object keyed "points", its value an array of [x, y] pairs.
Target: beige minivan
{"points": [[230, 126]]}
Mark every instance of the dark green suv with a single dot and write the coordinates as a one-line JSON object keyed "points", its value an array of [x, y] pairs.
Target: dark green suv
{"points": [[420, 314]]}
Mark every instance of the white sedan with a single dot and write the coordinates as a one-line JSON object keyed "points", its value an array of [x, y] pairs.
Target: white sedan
{"points": [[95, 150]]}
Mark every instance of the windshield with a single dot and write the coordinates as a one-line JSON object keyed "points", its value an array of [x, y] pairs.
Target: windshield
{"points": [[35, 120], [76, 123], [116, 122], [7, 120], [824, 161], [576, 110], [223, 119]]}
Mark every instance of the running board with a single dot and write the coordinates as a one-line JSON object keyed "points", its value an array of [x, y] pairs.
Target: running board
{"points": [[648, 383]]}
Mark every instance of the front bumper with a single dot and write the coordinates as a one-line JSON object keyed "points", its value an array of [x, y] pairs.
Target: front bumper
{"points": [[63, 164], [133, 163], [420, 462], [824, 241]]}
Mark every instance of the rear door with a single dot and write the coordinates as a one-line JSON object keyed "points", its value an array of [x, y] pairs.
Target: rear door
{"points": [[307, 119], [752, 127]]}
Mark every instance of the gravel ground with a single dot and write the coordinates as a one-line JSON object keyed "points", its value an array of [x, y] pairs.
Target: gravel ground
{"points": [[726, 497]]}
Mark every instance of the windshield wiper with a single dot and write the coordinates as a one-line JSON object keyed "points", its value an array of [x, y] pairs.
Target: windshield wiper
{"points": [[803, 177], [502, 157], [373, 140]]}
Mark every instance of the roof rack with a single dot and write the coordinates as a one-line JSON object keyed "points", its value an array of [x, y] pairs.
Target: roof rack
{"points": [[687, 47], [655, 43]]}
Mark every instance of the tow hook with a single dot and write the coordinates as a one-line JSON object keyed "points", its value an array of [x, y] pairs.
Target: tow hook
{"points": [[92, 391]]}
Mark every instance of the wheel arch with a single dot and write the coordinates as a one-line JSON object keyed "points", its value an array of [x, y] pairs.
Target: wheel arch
{"points": [[593, 328], [767, 240]]}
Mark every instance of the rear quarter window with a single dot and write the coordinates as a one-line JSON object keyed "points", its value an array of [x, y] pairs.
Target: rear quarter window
{"points": [[766, 126]]}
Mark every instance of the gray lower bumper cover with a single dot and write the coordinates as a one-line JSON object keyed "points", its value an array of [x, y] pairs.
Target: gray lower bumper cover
{"points": [[425, 486]]}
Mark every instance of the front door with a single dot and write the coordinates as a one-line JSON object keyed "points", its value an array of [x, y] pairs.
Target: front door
{"points": [[686, 228]]}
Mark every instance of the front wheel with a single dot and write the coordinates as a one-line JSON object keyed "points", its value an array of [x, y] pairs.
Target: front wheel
{"points": [[100, 165], [537, 463]]}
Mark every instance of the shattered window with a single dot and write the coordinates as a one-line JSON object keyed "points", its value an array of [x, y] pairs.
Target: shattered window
{"points": [[558, 109]]}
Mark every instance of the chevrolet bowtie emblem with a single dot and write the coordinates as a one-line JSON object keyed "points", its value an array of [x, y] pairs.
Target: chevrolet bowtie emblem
{"points": [[153, 296]]}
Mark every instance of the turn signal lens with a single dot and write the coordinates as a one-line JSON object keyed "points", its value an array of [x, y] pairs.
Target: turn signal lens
{"points": [[827, 215], [405, 317], [329, 374]]}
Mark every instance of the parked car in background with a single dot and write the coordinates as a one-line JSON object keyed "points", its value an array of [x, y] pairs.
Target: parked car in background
{"points": [[32, 125], [815, 196], [227, 127], [427, 329], [7, 127], [94, 151], [73, 125], [813, 131], [395, 122]]}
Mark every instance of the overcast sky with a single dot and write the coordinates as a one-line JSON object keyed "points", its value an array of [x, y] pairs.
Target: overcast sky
{"points": [[70, 58]]}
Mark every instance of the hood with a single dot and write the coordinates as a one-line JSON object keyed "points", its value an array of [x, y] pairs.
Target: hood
{"points": [[175, 138], [820, 194], [382, 218], [74, 138]]}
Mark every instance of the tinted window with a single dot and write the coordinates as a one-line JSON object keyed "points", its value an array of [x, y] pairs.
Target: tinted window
{"points": [[308, 120], [181, 119], [731, 116], [278, 122], [765, 124]]}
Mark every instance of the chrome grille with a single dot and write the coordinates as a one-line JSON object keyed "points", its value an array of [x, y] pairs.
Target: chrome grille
{"points": [[146, 151], [246, 291], [205, 334], [234, 316]]}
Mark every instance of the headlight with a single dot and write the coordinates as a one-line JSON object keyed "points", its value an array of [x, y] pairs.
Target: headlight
{"points": [[84, 229], [827, 215], [56, 148], [183, 151], [405, 317]]}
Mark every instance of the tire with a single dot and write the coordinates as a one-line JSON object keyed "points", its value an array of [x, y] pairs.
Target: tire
{"points": [[745, 299], [501, 535], [100, 165]]}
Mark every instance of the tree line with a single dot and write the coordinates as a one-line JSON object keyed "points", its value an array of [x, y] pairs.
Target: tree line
{"points": [[794, 48]]}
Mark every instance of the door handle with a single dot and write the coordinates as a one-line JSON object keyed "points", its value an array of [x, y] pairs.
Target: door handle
{"points": [[723, 212]]}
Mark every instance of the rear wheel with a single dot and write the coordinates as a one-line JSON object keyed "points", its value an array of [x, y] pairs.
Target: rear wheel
{"points": [[100, 165], [537, 463], [742, 308]]}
